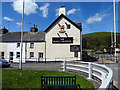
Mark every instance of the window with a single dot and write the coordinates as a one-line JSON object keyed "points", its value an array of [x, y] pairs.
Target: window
{"points": [[68, 26], [2, 55], [40, 55], [31, 45], [18, 45], [31, 54], [18, 55]]}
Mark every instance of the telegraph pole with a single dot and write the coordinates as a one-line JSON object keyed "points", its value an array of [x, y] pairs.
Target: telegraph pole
{"points": [[81, 41], [115, 32], [111, 39], [20, 65]]}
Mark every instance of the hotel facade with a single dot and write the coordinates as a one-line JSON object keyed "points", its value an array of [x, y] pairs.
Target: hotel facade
{"points": [[60, 41]]}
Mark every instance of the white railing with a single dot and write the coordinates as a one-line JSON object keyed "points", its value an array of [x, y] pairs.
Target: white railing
{"points": [[103, 73]]}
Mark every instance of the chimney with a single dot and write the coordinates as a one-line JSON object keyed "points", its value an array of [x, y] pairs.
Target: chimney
{"points": [[62, 10], [79, 24], [3, 30], [34, 28]]}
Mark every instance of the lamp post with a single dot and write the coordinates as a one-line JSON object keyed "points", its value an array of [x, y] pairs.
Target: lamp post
{"points": [[20, 65], [114, 31]]}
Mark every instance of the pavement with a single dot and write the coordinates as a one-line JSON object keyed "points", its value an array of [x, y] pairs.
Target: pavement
{"points": [[37, 66]]}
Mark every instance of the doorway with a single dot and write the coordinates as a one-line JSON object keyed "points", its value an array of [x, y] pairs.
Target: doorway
{"points": [[40, 56], [11, 57]]}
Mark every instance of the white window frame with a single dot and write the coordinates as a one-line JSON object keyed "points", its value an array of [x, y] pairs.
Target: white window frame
{"points": [[17, 54], [2, 54], [31, 45], [31, 56], [18, 45]]}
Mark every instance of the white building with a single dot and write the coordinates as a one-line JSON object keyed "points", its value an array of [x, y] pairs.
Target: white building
{"points": [[60, 41]]}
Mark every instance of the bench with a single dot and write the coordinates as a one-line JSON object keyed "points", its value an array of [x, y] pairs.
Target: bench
{"points": [[58, 81]]}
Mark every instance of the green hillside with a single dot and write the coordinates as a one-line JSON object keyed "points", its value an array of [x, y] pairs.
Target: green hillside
{"points": [[99, 40]]}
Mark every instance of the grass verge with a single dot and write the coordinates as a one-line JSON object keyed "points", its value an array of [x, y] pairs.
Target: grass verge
{"points": [[32, 78]]}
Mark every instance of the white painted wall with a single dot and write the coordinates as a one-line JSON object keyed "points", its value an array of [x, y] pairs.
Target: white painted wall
{"points": [[12, 47], [3, 48], [61, 51], [38, 47]]}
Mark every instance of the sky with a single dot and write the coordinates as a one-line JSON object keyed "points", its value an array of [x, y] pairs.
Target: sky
{"points": [[95, 16]]}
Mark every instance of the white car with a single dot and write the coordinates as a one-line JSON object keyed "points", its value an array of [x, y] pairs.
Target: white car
{"points": [[117, 49]]}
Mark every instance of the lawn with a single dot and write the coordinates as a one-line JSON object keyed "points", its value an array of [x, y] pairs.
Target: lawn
{"points": [[32, 78]]}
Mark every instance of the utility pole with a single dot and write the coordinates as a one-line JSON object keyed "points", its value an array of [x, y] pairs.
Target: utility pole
{"points": [[81, 41], [115, 32], [20, 65], [111, 39]]}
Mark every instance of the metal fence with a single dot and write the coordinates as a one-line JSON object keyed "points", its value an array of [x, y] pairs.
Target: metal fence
{"points": [[106, 56]]}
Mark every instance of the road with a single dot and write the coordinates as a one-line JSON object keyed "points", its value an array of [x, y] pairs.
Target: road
{"points": [[116, 73]]}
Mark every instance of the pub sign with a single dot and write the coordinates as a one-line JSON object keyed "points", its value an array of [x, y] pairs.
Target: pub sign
{"points": [[74, 48], [57, 40]]}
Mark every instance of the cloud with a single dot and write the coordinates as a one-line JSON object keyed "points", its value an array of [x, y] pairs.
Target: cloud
{"points": [[8, 19], [30, 6], [72, 11], [95, 18], [44, 9], [57, 12], [19, 24]]}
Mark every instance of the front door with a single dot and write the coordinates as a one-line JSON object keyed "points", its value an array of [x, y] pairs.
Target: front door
{"points": [[75, 54], [40, 56], [11, 56]]}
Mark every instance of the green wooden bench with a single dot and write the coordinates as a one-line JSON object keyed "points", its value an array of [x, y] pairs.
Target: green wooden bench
{"points": [[58, 81]]}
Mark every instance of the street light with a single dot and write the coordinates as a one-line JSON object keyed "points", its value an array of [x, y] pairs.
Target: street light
{"points": [[20, 65]]}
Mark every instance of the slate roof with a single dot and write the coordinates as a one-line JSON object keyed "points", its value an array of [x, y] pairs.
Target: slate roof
{"points": [[31, 36], [27, 37]]}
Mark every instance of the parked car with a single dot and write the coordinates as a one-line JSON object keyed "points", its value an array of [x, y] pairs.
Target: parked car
{"points": [[88, 58], [118, 50], [4, 63]]}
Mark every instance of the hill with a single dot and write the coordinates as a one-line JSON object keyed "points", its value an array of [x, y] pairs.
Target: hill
{"points": [[99, 40]]}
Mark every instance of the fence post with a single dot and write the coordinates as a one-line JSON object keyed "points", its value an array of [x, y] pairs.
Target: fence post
{"points": [[64, 65], [90, 70]]}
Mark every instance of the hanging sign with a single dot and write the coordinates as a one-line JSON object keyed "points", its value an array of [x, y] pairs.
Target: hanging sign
{"points": [[74, 48]]}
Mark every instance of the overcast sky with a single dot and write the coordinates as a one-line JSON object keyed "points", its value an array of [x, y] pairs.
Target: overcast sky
{"points": [[95, 16]]}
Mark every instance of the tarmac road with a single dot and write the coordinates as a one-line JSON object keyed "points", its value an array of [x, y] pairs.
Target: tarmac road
{"points": [[116, 73]]}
